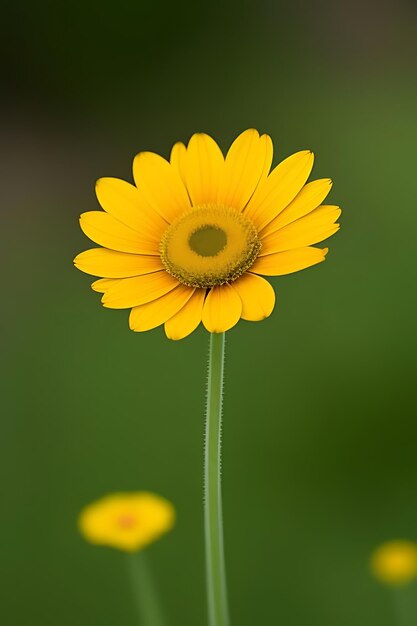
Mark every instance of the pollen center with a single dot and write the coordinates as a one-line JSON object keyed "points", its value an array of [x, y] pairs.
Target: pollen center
{"points": [[126, 520], [208, 240], [209, 245]]}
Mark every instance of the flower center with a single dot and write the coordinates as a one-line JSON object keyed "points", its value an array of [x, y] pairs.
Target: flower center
{"points": [[126, 520], [208, 241], [209, 245]]}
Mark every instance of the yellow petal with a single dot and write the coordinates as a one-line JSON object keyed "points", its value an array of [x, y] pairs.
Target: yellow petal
{"points": [[269, 153], [308, 230], [158, 311], [280, 188], [289, 261], [102, 284], [127, 204], [161, 185], [257, 295], [105, 230], [130, 292], [111, 264], [204, 169], [222, 309], [244, 165], [188, 318], [309, 198], [177, 158]]}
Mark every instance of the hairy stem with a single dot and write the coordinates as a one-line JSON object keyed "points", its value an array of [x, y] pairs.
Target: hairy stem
{"points": [[213, 521]]}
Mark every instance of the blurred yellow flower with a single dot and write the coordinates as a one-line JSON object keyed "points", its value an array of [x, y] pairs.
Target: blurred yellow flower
{"points": [[128, 521], [192, 240], [395, 562]]}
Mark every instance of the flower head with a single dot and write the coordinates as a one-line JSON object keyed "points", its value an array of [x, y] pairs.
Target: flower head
{"points": [[127, 521], [191, 240], [395, 562]]}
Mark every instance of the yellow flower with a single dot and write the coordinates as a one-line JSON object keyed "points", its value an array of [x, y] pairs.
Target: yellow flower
{"points": [[395, 562], [128, 521], [190, 241]]}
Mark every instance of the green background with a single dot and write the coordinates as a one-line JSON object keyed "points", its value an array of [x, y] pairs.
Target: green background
{"points": [[320, 432]]}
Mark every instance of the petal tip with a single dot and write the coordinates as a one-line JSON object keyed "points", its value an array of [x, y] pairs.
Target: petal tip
{"points": [[249, 131], [171, 337], [307, 154], [178, 145], [100, 183], [85, 216]]}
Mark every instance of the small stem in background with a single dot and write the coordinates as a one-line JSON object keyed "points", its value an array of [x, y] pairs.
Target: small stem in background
{"points": [[144, 592], [404, 599], [213, 519]]}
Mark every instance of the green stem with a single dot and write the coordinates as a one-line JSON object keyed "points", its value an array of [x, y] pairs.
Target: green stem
{"points": [[405, 605], [213, 521], [145, 595]]}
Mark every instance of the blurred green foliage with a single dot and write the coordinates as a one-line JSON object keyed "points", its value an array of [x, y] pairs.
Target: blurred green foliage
{"points": [[319, 430]]}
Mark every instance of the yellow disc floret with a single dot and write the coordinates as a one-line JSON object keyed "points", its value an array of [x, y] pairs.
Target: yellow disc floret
{"points": [[209, 246]]}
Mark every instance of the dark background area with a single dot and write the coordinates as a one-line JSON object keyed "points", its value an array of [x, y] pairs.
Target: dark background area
{"points": [[320, 401]]}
